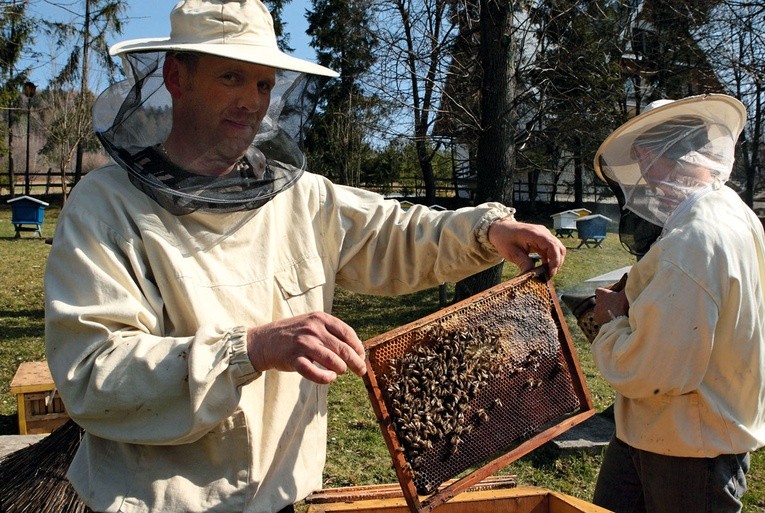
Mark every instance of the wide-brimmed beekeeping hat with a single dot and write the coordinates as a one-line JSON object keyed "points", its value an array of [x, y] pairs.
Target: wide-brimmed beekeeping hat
{"points": [[236, 29], [682, 145]]}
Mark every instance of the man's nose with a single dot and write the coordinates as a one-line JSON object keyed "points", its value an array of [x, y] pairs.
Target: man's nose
{"points": [[252, 100]]}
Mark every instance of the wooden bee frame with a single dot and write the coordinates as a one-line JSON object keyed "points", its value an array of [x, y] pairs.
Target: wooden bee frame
{"points": [[480, 383]]}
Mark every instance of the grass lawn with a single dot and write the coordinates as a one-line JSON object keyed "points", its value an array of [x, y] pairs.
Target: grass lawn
{"points": [[356, 453]]}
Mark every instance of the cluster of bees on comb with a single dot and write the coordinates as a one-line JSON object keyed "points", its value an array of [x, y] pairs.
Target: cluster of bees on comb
{"points": [[431, 387]]}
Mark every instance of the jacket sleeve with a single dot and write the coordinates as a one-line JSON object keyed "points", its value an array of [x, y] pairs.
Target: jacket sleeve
{"points": [[663, 347], [386, 250], [118, 375]]}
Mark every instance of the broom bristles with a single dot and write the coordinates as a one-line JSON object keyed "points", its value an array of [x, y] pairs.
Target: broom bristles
{"points": [[34, 478]]}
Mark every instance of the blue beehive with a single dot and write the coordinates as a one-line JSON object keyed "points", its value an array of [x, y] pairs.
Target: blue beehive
{"points": [[592, 229], [27, 214]]}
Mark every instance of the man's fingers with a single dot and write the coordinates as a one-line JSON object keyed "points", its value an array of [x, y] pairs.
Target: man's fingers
{"points": [[348, 346], [524, 262], [346, 335], [339, 355], [312, 372], [554, 258], [515, 241], [356, 363]]}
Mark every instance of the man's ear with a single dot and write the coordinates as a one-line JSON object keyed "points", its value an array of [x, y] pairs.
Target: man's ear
{"points": [[171, 73]]}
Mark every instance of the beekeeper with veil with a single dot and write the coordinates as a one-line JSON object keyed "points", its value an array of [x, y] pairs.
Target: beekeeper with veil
{"points": [[683, 344], [190, 284]]}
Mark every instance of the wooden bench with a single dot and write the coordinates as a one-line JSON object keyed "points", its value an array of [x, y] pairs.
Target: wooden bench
{"points": [[40, 409]]}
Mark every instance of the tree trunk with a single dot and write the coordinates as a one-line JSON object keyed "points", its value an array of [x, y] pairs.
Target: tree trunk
{"points": [[751, 149], [496, 144], [83, 86], [578, 175], [478, 282], [426, 166], [11, 171]]}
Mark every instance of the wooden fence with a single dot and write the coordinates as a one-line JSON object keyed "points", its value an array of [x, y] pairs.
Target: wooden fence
{"points": [[40, 183]]}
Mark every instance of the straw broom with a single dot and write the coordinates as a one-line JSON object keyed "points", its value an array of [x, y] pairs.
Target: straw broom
{"points": [[33, 479]]}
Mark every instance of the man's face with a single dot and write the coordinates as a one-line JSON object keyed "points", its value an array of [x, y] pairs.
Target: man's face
{"points": [[669, 181], [658, 173], [219, 104], [655, 169]]}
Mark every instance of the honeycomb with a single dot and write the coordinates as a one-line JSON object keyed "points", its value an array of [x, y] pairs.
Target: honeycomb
{"points": [[474, 380]]}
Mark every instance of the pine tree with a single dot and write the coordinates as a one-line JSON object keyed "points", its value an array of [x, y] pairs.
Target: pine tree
{"points": [[340, 34], [16, 29], [579, 86]]}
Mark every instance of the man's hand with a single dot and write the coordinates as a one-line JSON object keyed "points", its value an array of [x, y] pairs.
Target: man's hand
{"points": [[609, 305], [515, 241], [317, 345]]}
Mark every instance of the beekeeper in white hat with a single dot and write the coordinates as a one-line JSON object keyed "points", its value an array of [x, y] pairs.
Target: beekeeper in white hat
{"points": [[684, 344], [190, 285]]}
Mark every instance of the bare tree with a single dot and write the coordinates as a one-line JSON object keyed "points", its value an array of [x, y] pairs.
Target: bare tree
{"points": [[66, 124], [415, 41], [576, 89], [733, 38], [100, 19]]}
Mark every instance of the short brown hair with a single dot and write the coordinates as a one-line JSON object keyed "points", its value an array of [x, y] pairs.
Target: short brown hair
{"points": [[189, 59]]}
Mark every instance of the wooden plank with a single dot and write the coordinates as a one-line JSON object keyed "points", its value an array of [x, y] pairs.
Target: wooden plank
{"points": [[561, 503], [32, 377], [22, 413], [46, 425], [522, 499], [388, 491]]}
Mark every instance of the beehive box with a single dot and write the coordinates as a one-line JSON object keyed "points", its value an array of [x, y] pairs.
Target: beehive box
{"points": [[40, 409], [26, 210], [593, 227], [477, 384], [565, 222], [522, 499]]}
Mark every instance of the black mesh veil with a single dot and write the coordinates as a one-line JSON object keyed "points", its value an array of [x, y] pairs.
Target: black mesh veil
{"points": [[635, 233], [132, 117]]}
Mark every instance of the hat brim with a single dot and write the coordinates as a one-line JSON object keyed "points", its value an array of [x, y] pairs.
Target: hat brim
{"points": [[717, 109], [256, 54]]}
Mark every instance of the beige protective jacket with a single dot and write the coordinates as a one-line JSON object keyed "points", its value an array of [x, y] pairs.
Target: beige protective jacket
{"points": [[688, 364], [145, 330]]}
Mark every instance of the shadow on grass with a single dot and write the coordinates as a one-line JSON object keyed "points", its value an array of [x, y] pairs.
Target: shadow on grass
{"points": [[21, 324], [9, 425]]}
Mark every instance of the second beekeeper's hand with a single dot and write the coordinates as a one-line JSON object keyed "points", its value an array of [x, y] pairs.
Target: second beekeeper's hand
{"points": [[316, 345], [609, 305]]}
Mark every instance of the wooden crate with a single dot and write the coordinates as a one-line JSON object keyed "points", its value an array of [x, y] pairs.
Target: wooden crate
{"points": [[522, 499], [40, 409]]}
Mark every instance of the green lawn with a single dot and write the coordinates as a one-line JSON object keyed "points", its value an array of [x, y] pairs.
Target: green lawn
{"points": [[357, 453]]}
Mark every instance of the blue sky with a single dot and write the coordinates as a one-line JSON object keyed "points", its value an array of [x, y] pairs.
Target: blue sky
{"points": [[145, 18]]}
